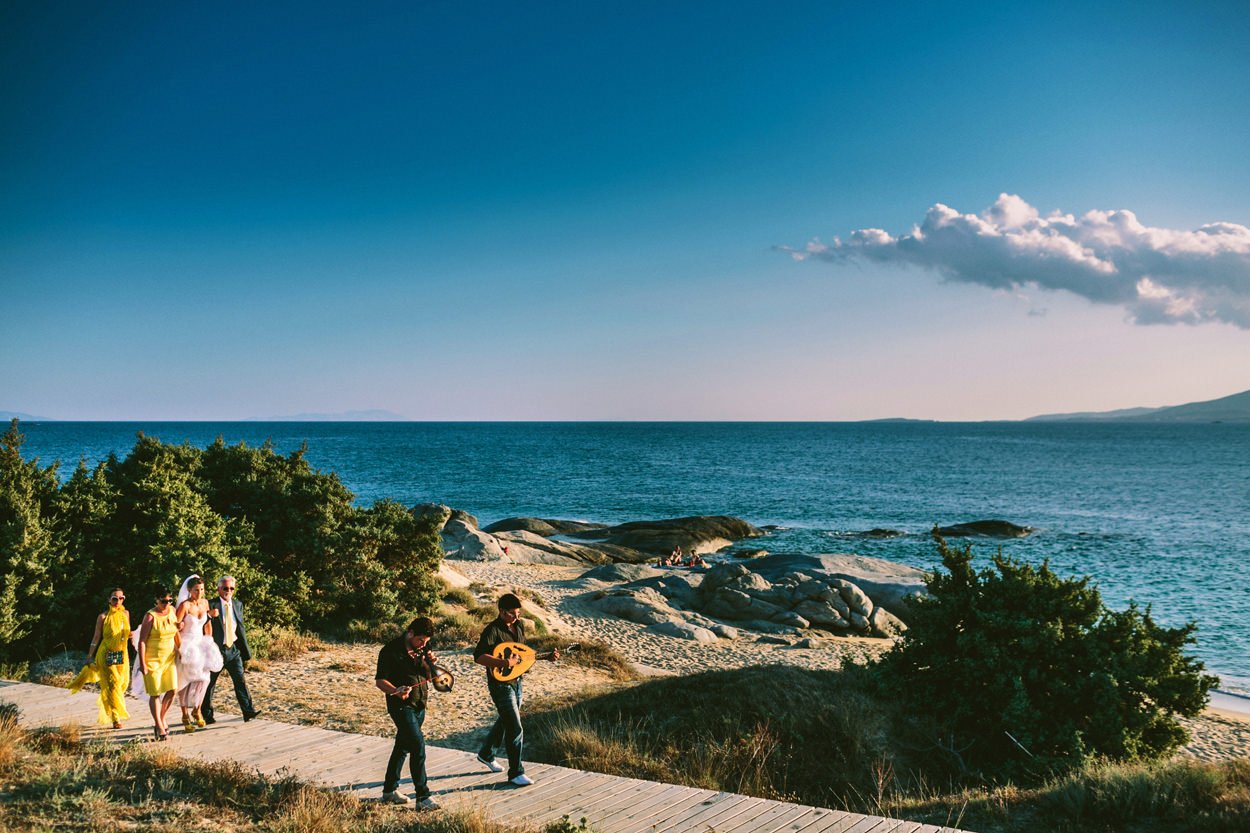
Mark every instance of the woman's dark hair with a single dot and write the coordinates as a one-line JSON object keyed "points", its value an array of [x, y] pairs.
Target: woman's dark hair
{"points": [[193, 581], [162, 592], [509, 601]]}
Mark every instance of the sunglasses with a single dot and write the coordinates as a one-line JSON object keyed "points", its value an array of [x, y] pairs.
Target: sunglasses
{"points": [[227, 587], [117, 598], [164, 601]]}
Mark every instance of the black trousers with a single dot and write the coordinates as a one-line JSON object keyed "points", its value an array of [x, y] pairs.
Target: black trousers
{"points": [[232, 662]]}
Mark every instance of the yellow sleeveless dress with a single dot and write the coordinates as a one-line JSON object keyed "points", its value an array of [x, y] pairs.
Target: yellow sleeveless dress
{"points": [[162, 674], [113, 679]]}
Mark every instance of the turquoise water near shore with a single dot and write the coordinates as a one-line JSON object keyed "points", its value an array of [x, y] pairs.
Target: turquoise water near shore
{"points": [[1156, 513]]}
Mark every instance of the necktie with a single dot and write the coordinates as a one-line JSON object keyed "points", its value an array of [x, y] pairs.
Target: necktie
{"points": [[227, 614]]}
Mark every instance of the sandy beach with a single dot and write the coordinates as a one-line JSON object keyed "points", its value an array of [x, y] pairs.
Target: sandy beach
{"points": [[333, 687]]}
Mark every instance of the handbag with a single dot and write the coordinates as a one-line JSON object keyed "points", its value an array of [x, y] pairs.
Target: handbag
{"points": [[114, 657]]}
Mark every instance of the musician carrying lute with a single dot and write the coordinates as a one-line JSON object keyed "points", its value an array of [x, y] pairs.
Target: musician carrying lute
{"points": [[494, 651]]}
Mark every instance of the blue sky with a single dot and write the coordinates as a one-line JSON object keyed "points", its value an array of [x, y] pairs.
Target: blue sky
{"points": [[577, 211]]}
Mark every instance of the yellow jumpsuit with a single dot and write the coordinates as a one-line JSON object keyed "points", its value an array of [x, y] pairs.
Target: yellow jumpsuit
{"points": [[113, 679]]}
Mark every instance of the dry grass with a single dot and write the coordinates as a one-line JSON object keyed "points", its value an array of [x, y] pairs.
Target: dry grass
{"points": [[590, 654], [288, 643], [460, 597], [58, 669]]}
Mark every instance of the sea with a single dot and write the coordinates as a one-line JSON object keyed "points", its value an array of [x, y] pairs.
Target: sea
{"points": [[1155, 513]]}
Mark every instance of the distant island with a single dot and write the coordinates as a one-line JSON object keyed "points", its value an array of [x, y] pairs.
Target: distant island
{"points": [[8, 415], [1234, 408]]}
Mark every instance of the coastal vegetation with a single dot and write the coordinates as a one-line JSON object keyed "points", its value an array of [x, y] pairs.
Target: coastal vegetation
{"points": [[54, 779], [305, 555], [1024, 673], [1017, 702]]}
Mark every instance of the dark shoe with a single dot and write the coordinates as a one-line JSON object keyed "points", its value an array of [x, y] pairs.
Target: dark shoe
{"points": [[251, 716], [209, 721]]}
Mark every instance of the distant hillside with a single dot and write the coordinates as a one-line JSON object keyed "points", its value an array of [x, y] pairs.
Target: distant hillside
{"points": [[1235, 408], [1100, 415], [11, 415]]}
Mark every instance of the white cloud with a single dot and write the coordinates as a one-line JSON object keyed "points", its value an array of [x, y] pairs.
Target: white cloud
{"points": [[1161, 276]]}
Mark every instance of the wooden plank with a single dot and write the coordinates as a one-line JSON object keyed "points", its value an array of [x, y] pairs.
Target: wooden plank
{"points": [[626, 794], [564, 789], [286, 747], [627, 817], [884, 825], [621, 801], [829, 821], [850, 823], [794, 822], [741, 818], [776, 813], [701, 814], [661, 815]]}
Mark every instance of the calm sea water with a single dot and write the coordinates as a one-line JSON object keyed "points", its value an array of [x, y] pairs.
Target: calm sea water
{"points": [[1156, 513]]}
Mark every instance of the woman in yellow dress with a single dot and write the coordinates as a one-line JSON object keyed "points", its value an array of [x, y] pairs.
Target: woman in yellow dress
{"points": [[109, 663], [158, 650]]}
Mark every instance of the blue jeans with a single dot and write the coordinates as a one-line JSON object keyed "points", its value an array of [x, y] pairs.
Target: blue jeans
{"points": [[408, 741], [507, 729]]}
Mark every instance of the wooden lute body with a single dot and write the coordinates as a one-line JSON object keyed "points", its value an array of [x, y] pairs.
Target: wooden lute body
{"points": [[528, 656]]}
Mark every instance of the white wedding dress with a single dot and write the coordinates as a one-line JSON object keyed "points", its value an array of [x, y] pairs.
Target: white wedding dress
{"points": [[198, 659]]}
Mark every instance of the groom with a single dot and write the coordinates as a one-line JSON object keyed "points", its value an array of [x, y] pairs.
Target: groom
{"points": [[226, 614]]}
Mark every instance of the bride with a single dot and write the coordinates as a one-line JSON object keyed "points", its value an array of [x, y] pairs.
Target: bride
{"points": [[199, 657]]}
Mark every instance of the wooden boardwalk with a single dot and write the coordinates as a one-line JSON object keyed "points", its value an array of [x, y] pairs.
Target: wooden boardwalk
{"points": [[338, 760]]}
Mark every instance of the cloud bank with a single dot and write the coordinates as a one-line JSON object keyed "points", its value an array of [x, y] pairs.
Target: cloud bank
{"points": [[1159, 275]]}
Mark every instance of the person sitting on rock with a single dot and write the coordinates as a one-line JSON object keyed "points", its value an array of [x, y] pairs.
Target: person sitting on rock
{"points": [[696, 560]]}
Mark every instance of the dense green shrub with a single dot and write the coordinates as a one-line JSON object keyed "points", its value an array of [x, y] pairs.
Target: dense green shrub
{"points": [[305, 556], [1025, 674]]}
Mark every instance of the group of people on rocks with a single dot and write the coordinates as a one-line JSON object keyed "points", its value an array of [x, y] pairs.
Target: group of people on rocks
{"points": [[184, 644], [181, 647], [675, 559]]}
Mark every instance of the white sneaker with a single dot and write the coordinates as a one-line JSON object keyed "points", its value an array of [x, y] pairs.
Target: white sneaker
{"points": [[428, 804], [395, 798], [521, 781], [489, 763]]}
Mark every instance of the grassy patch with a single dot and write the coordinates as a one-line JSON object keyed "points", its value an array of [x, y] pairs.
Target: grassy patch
{"points": [[288, 643], [58, 669], [830, 739], [54, 781], [597, 655], [459, 596]]}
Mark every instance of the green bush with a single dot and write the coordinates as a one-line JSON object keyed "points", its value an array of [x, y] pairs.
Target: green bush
{"points": [[1026, 674], [304, 555]]}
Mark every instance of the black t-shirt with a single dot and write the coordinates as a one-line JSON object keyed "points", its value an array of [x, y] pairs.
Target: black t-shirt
{"points": [[398, 668], [493, 635]]}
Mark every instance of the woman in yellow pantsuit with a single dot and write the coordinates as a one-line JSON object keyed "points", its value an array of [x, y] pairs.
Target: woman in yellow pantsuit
{"points": [[158, 650], [109, 663]]}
